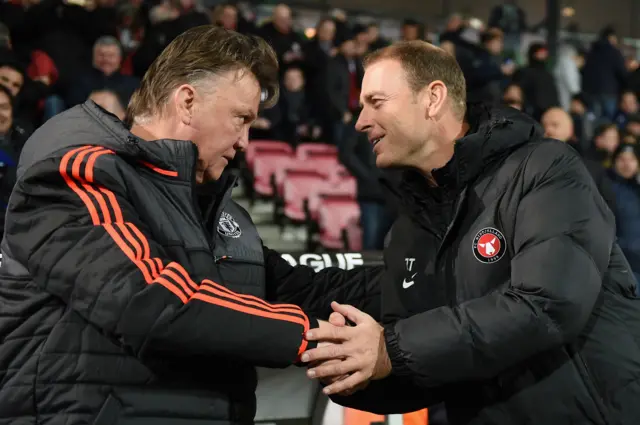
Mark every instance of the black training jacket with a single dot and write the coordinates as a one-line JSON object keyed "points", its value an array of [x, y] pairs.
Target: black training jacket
{"points": [[505, 295], [125, 299]]}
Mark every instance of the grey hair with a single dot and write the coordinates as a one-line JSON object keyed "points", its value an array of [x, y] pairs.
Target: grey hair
{"points": [[107, 40]]}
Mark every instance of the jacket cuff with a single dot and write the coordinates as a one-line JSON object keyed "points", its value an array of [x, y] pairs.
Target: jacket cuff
{"points": [[398, 364], [307, 345]]}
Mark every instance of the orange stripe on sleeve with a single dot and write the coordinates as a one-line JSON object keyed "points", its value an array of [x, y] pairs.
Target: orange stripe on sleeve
{"points": [[173, 277], [158, 170]]}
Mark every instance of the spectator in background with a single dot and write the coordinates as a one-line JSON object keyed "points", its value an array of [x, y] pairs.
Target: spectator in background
{"points": [[514, 97], [375, 40], [317, 53], [451, 35], [105, 74], [537, 82], [606, 140], [558, 125], [628, 106], [12, 76], [225, 16], [604, 74], [361, 37], [411, 30], [343, 78], [484, 70], [10, 137], [296, 122], [280, 35], [633, 126], [583, 122], [626, 186], [512, 21], [375, 217], [108, 101], [567, 74]]}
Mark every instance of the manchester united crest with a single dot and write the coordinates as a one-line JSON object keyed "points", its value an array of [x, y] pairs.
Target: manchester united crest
{"points": [[489, 245], [227, 226]]}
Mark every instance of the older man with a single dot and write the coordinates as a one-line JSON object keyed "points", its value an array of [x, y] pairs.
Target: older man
{"points": [[133, 290], [505, 294]]}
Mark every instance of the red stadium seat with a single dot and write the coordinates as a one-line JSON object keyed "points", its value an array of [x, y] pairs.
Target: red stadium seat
{"points": [[334, 214], [299, 186], [264, 168], [326, 164], [304, 150], [256, 147]]}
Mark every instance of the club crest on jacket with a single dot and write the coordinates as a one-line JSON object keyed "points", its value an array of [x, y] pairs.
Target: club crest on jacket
{"points": [[489, 245], [228, 226]]}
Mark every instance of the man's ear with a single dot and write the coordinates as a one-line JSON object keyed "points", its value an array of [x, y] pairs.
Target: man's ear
{"points": [[184, 99], [436, 97]]}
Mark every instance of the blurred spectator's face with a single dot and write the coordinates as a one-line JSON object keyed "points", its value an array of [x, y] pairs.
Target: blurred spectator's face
{"points": [[541, 55], [392, 116], [633, 127], [6, 113], [109, 102], [326, 31], [629, 139], [579, 61], [557, 125], [629, 103], [282, 19], [229, 18], [626, 165], [11, 79], [577, 107], [495, 46], [362, 38], [361, 48], [448, 47], [613, 40], [107, 59], [293, 80], [513, 97], [454, 23], [410, 32], [609, 140], [217, 120], [373, 33], [348, 48]]}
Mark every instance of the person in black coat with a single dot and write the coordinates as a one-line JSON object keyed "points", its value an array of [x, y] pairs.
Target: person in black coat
{"points": [[505, 293], [537, 82]]}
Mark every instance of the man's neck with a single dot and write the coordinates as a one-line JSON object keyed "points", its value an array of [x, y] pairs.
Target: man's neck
{"points": [[145, 132], [436, 155]]}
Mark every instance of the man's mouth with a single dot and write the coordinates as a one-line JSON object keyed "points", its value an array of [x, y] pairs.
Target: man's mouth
{"points": [[377, 140]]}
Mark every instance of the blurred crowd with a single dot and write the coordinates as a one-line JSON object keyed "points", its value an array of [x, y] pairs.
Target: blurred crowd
{"points": [[55, 54]]}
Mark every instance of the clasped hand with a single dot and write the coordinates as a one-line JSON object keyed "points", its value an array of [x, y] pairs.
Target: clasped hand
{"points": [[347, 357]]}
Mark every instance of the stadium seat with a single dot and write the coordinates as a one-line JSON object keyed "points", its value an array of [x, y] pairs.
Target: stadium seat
{"points": [[304, 150], [298, 187], [326, 164], [264, 168], [334, 214], [256, 147]]}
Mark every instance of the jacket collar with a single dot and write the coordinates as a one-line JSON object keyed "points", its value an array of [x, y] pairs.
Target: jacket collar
{"points": [[165, 154]]}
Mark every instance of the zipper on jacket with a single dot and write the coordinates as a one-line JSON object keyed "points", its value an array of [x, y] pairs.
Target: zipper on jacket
{"points": [[230, 259]]}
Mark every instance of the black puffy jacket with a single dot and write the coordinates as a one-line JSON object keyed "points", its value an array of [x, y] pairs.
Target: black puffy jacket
{"points": [[505, 294], [125, 302]]}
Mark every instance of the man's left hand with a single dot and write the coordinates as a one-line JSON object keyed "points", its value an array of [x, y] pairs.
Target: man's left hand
{"points": [[361, 348]]}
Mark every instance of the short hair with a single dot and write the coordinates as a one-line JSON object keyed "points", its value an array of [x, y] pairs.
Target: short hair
{"points": [[603, 128], [424, 63], [490, 35], [200, 53], [107, 40]]}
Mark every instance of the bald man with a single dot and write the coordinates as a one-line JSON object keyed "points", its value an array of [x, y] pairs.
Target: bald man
{"points": [[278, 32], [559, 125]]}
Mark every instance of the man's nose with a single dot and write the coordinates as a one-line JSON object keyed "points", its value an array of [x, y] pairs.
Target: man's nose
{"points": [[363, 122]]}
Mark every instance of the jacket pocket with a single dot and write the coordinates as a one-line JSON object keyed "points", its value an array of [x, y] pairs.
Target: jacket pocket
{"points": [[110, 413]]}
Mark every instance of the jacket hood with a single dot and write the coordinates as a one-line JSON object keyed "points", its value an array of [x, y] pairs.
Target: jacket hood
{"points": [[89, 124]]}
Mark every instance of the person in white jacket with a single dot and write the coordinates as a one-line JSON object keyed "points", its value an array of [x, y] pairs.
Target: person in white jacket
{"points": [[567, 74]]}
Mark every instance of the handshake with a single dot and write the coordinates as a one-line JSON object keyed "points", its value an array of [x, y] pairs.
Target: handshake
{"points": [[347, 357]]}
